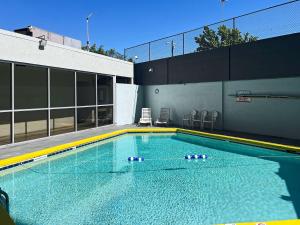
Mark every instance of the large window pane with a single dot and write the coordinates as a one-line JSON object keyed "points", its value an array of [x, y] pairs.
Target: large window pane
{"points": [[5, 128], [105, 115], [62, 88], [5, 86], [86, 89], [105, 90], [62, 121], [31, 87], [30, 125], [86, 118]]}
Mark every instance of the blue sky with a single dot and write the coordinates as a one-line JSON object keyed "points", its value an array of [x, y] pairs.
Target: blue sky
{"points": [[119, 24]]}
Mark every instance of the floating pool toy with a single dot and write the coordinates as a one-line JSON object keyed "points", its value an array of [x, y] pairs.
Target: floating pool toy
{"points": [[189, 157], [134, 158]]}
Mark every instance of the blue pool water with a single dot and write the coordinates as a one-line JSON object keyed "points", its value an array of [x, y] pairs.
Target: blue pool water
{"points": [[97, 185]]}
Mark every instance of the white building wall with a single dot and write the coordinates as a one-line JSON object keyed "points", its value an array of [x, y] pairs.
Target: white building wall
{"points": [[24, 49], [127, 102]]}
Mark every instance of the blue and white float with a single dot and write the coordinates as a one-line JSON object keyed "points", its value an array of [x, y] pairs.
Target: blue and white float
{"points": [[189, 157], [134, 158]]}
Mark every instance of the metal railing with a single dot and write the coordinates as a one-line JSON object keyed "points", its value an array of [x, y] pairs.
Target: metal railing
{"points": [[269, 22]]}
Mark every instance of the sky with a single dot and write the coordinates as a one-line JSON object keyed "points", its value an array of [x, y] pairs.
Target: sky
{"points": [[118, 23]]}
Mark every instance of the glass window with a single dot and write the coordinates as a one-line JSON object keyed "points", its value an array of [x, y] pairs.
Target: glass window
{"points": [[123, 80], [30, 125], [5, 128], [31, 84], [105, 90], [86, 89], [105, 115], [62, 121], [5, 86], [86, 118], [62, 88]]}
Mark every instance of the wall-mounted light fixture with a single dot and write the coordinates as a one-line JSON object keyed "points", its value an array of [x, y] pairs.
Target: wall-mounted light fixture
{"points": [[150, 70], [42, 42]]}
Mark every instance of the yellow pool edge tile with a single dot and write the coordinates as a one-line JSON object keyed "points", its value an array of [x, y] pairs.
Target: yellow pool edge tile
{"points": [[243, 140], [46, 151], [38, 153]]}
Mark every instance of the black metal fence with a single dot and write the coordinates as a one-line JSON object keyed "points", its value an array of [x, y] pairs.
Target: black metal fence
{"points": [[270, 22]]}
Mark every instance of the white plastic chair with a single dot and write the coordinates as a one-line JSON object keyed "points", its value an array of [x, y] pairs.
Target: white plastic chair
{"points": [[212, 120], [186, 120], [195, 119], [146, 117], [164, 117]]}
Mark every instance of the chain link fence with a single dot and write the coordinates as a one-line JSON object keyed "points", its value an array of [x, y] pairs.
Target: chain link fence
{"points": [[270, 22]]}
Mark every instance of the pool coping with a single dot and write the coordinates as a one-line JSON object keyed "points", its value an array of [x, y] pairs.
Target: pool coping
{"points": [[44, 153]]}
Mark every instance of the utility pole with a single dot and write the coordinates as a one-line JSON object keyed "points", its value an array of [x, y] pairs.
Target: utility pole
{"points": [[88, 32]]}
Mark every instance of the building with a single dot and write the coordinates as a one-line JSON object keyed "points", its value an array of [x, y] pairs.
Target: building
{"points": [[59, 89]]}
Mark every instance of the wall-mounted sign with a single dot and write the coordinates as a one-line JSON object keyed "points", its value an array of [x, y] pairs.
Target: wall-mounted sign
{"points": [[243, 99]]}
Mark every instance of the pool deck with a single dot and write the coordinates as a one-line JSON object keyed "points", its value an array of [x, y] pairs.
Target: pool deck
{"points": [[17, 149]]}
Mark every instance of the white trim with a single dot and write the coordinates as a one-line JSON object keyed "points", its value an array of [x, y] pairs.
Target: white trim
{"points": [[49, 103], [96, 116], [12, 103], [75, 101]]}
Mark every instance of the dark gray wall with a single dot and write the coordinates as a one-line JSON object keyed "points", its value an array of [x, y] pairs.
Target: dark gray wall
{"points": [[159, 74], [269, 58], [204, 66]]}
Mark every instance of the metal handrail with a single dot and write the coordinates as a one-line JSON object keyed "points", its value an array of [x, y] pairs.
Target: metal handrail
{"points": [[3, 193]]}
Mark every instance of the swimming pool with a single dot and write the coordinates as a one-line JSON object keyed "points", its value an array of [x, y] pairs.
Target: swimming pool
{"points": [[96, 184]]}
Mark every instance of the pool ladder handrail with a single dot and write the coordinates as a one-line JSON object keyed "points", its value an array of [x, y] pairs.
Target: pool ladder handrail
{"points": [[4, 195]]}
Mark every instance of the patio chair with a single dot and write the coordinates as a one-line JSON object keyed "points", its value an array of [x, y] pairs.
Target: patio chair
{"points": [[164, 117], [146, 117], [195, 119], [211, 121], [186, 120], [203, 117]]}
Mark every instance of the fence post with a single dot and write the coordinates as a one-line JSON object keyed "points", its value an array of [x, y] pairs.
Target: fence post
{"points": [[233, 22], [124, 55], [149, 50], [183, 43]]}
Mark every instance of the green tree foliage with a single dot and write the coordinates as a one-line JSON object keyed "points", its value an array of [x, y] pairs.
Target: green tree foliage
{"points": [[100, 50], [224, 36]]}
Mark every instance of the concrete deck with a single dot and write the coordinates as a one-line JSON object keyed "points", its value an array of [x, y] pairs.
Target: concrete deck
{"points": [[12, 150]]}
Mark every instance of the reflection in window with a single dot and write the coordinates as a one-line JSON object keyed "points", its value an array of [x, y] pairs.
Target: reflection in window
{"points": [[30, 125], [105, 90], [62, 88], [105, 115], [5, 128], [5, 86], [86, 89], [86, 118], [62, 121], [31, 84]]}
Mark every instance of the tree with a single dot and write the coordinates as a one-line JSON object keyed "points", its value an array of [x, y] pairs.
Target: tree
{"points": [[100, 50], [224, 36]]}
